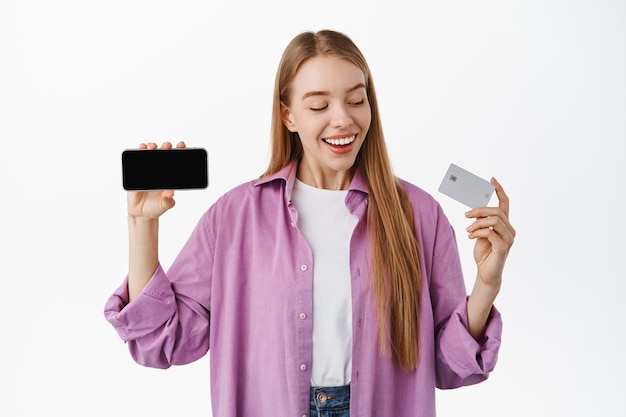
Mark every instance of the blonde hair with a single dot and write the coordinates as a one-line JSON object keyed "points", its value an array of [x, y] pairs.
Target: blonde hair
{"points": [[395, 263]]}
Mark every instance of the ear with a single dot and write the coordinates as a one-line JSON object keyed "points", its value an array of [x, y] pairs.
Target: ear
{"points": [[285, 115]]}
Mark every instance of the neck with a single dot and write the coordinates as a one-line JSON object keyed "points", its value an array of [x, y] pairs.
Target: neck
{"points": [[325, 178]]}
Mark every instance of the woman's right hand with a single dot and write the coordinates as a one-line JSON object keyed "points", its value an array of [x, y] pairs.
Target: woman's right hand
{"points": [[151, 204]]}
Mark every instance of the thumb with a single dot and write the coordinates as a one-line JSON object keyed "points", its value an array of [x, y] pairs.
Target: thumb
{"points": [[167, 199]]}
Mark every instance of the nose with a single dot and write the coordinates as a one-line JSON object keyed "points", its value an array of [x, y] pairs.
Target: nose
{"points": [[341, 116]]}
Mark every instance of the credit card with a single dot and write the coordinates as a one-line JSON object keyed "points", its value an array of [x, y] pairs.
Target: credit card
{"points": [[466, 188]]}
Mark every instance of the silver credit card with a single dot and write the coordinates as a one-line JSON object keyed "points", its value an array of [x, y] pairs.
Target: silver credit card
{"points": [[466, 188]]}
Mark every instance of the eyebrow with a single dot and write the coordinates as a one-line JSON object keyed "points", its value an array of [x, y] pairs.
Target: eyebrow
{"points": [[325, 93]]}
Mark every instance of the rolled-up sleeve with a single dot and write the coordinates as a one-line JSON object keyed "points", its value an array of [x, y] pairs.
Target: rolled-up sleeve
{"points": [[168, 323], [149, 311], [461, 359]]}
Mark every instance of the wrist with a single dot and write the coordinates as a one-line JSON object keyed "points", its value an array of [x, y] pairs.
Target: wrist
{"points": [[488, 285], [479, 306], [484, 294], [134, 220]]}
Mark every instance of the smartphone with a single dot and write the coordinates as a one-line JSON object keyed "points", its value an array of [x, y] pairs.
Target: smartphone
{"points": [[161, 169], [465, 187]]}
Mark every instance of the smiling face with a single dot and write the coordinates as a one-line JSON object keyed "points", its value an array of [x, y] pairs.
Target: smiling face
{"points": [[329, 110]]}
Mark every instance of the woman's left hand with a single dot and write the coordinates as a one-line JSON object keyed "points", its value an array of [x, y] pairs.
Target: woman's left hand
{"points": [[494, 237]]}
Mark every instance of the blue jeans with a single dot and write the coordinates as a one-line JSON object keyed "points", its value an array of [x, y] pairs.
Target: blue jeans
{"points": [[330, 402]]}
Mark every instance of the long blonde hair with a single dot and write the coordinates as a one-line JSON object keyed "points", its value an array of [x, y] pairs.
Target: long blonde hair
{"points": [[395, 263]]}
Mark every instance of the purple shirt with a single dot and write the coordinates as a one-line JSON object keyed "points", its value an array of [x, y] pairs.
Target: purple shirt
{"points": [[242, 285]]}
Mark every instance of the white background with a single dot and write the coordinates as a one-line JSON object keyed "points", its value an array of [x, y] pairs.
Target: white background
{"points": [[532, 92]]}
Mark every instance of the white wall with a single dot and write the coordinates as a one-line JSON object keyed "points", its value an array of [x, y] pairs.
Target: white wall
{"points": [[532, 92]]}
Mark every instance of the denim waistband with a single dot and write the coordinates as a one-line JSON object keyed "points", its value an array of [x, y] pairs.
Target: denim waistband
{"points": [[330, 401]]}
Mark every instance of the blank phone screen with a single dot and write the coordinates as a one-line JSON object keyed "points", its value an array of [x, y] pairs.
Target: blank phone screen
{"points": [[161, 169]]}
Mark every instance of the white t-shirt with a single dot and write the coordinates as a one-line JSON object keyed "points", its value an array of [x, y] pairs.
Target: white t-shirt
{"points": [[327, 225]]}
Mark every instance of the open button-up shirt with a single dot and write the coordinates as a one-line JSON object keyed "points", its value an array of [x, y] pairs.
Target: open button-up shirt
{"points": [[242, 286]]}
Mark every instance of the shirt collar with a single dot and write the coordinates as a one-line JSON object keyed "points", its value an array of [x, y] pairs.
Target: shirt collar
{"points": [[288, 174]]}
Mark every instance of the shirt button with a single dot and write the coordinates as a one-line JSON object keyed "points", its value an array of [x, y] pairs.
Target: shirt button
{"points": [[302, 316], [303, 267], [303, 367]]}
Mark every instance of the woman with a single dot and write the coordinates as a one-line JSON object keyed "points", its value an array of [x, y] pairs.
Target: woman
{"points": [[328, 287]]}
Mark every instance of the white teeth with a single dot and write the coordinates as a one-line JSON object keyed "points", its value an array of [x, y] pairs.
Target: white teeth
{"points": [[340, 142]]}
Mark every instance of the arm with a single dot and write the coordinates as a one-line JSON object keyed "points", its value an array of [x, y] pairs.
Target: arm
{"points": [[494, 237], [143, 257], [168, 320], [144, 210], [460, 359]]}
